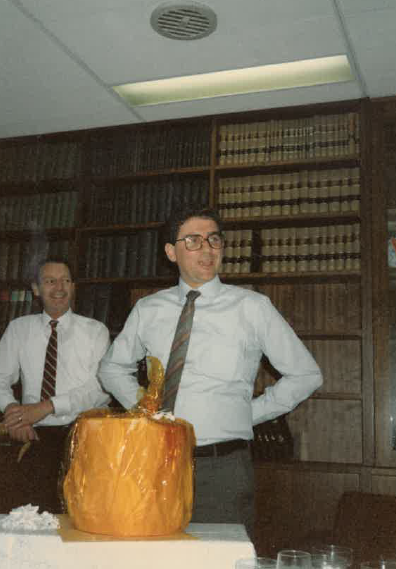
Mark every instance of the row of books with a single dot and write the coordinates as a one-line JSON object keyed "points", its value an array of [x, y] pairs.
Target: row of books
{"points": [[291, 193], [97, 301], [140, 150], [301, 249], [121, 256], [38, 211], [18, 259], [324, 136], [14, 303], [101, 301], [145, 202], [40, 160], [144, 150], [237, 256]]}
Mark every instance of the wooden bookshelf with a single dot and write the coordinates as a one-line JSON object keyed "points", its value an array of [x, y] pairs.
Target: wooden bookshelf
{"points": [[300, 173]]}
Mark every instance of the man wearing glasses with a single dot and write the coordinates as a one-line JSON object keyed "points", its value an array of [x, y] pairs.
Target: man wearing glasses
{"points": [[232, 328]]}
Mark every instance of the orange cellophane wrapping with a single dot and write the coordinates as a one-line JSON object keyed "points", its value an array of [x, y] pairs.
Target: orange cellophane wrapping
{"points": [[130, 474]]}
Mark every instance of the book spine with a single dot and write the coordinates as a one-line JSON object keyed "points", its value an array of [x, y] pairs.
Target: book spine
{"points": [[5, 298], [13, 305], [102, 302], [120, 246], [4, 253]]}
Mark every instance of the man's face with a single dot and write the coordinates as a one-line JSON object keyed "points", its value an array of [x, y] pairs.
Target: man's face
{"points": [[55, 288], [196, 267]]}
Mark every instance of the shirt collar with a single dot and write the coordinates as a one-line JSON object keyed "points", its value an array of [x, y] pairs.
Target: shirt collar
{"points": [[209, 289], [63, 320]]}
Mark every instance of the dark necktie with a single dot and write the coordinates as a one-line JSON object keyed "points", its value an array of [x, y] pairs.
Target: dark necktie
{"points": [[51, 357], [178, 351]]}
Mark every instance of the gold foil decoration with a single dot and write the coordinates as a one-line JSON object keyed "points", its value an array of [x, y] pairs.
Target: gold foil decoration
{"points": [[25, 447], [151, 398]]}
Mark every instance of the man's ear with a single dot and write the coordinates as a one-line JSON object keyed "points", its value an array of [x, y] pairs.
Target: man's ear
{"points": [[35, 289], [170, 252]]}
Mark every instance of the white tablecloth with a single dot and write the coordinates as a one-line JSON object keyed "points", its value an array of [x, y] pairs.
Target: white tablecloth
{"points": [[217, 546]]}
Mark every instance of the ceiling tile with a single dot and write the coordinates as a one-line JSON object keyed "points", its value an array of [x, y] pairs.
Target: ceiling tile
{"points": [[59, 57], [41, 85], [374, 40]]}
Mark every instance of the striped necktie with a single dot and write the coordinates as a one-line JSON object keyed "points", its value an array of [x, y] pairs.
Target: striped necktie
{"points": [[51, 357], [178, 351]]}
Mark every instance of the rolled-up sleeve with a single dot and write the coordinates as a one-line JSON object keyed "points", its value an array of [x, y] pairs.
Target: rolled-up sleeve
{"points": [[300, 374], [117, 371], [9, 366]]}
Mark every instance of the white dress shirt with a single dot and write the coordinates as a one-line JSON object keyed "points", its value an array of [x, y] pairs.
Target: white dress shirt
{"points": [[232, 328], [81, 344]]}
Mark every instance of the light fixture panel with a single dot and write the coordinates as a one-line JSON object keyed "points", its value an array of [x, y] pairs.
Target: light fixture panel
{"points": [[306, 73]]}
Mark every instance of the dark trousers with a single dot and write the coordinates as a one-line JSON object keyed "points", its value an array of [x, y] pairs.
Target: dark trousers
{"points": [[224, 490], [37, 478]]}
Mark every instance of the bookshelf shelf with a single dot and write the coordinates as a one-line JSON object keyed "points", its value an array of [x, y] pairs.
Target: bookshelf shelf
{"points": [[334, 335], [199, 170], [352, 160], [112, 229], [337, 396], [300, 218], [336, 277], [43, 186], [133, 282], [29, 234]]}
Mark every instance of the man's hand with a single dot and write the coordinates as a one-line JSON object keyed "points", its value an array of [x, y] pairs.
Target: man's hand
{"points": [[17, 416], [23, 434], [18, 419]]}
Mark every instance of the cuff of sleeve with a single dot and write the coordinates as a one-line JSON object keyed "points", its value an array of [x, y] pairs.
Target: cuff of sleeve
{"points": [[61, 405], [266, 408], [7, 401]]}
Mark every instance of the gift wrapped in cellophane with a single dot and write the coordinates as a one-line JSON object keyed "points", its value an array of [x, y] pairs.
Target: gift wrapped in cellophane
{"points": [[131, 474]]}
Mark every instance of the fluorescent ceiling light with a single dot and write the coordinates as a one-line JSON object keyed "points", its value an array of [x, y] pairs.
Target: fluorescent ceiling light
{"points": [[304, 73]]}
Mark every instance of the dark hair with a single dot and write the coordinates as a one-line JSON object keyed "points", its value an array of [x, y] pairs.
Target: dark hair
{"points": [[181, 215], [57, 260]]}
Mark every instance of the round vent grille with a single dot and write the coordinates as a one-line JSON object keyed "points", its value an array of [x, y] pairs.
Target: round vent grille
{"points": [[190, 21]]}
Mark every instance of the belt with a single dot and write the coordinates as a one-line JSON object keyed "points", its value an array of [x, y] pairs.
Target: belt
{"points": [[221, 449]]}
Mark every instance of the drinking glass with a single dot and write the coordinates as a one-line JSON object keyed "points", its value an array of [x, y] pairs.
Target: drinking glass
{"points": [[319, 561], [293, 559], [256, 563], [380, 564], [338, 556]]}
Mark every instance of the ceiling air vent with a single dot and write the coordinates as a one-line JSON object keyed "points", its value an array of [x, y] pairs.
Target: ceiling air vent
{"points": [[190, 21]]}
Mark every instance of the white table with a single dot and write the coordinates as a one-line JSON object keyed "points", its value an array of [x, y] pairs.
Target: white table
{"points": [[216, 546]]}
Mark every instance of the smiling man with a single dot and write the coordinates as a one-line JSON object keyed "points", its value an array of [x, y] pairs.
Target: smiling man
{"points": [[56, 355], [231, 330]]}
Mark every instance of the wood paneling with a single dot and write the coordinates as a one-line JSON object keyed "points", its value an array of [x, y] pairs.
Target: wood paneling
{"points": [[340, 362], [328, 431], [384, 484], [318, 307], [341, 365]]}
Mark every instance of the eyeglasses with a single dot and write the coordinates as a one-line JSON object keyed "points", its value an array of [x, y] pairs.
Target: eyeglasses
{"points": [[195, 242]]}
